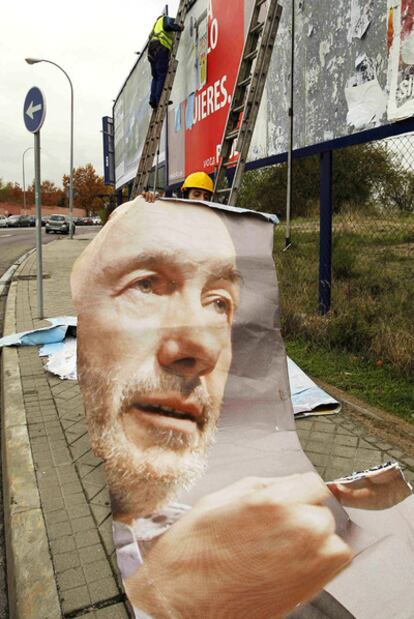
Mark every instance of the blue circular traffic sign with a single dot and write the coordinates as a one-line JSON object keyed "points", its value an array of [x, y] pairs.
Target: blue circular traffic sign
{"points": [[34, 109]]}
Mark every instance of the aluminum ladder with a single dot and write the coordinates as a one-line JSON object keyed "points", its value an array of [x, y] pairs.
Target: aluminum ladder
{"points": [[152, 139], [248, 91]]}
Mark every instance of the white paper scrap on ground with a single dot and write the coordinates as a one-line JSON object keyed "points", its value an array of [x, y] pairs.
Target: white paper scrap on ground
{"points": [[45, 335], [50, 349], [307, 398], [62, 362]]}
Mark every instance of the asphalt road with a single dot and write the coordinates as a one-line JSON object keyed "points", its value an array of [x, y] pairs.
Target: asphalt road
{"points": [[14, 242]]}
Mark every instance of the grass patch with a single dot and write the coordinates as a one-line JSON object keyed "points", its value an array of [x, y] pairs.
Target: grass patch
{"points": [[376, 384], [365, 344], [372, 292]]}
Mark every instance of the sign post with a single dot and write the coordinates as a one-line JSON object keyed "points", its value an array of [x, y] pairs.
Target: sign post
{"points": [[34, 111]]}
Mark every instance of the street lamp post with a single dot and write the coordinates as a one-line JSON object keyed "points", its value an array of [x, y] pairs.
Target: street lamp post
{"points": [[35, 61], [24, 179]]}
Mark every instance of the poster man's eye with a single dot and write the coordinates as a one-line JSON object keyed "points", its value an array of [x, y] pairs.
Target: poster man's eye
{"points": [[145, 285], [222, 306], [153, 284]]}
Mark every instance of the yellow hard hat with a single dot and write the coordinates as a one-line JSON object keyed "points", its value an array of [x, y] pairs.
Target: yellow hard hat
{"points": [[198, 180]]}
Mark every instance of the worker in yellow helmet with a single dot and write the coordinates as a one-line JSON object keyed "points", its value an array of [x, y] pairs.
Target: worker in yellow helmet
{"points": [[160, 44], [197, 186]]}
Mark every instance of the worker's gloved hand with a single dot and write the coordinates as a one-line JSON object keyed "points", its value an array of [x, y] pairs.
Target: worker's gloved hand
{"points": [[256, 548], [149, 196]]}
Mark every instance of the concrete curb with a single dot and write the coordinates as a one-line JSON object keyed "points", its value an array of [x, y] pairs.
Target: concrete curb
{"points": [[7, 275], [366, 410], [31, 581]]}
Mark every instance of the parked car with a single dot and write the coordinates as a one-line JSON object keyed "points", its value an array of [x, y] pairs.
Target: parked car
{"points": [[25, 221], [3, 221], [87, 221], [96, 220], [44, 220], [13, 221], [59, 224]]}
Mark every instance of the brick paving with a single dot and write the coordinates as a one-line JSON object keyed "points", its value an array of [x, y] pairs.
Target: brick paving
{"points": [[70, 478], [337, 445]]}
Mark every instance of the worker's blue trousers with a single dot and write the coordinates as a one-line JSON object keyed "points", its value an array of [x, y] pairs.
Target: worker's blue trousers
{"points": [[159, 70]]}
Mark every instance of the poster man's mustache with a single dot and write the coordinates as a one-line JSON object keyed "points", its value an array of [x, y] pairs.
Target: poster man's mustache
{"points": [[168, 391]]}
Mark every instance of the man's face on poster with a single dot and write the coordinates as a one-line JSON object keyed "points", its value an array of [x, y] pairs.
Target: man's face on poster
{"points": [[155, 294]]}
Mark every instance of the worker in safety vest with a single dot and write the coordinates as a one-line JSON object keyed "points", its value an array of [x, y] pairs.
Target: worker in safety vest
{"points": [[160, 45], [197, 186]]}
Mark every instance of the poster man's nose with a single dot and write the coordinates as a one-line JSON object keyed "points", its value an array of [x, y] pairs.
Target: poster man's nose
{"points": [[189, 352]]}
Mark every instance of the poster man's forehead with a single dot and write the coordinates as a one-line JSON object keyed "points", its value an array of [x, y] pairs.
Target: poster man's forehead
{"points": [[193, 233]]}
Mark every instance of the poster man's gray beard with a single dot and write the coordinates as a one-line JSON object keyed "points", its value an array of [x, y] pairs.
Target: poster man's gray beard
{"points": [[143, 479]]}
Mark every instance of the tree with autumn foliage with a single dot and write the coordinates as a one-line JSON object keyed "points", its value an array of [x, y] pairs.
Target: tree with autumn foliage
{"points": [[51, 195], [13, 193], [10, 192], [89, 189]]}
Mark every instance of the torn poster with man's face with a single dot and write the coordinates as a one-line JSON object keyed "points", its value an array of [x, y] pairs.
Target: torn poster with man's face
{"points": [[217, 511]]}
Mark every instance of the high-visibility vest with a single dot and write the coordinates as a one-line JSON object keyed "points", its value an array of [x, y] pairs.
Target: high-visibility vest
{"points": [[159, 34]]}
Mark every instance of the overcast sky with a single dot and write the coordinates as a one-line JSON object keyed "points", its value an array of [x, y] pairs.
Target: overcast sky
{"points": [[95, 42]]}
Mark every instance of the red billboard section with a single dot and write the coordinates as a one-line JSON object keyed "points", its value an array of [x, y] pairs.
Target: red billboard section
{"points": [[211, 103]]}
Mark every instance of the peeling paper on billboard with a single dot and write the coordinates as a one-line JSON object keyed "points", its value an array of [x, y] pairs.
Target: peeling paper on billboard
{"points": [[367, 102], [361, 17], [189, 115], [178, 118], [202, 53], [400, 42], [184, 378]]}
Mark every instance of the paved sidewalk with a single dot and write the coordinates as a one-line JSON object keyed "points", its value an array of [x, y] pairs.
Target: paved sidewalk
{"points": [[73, 497]]}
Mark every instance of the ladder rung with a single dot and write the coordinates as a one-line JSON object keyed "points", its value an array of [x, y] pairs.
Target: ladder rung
{"points": [[238, 109], [257, 28], [244, 82], [251, 55], [227, 164], [227, 190], [232, 134]]}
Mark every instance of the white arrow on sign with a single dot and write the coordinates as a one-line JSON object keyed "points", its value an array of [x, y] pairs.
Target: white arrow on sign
{"points": [[32, 109]]}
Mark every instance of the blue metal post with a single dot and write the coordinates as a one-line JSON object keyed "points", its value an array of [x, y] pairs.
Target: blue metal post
{"points": [[325, 249]]}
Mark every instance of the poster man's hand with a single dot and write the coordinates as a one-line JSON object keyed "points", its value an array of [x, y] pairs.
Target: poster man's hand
{"points": [[254, 549], [378, 490]]}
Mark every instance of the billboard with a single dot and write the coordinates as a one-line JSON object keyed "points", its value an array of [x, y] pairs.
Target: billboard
{"points": [[210, 51], [108, 146], [349, 59], [131, 119]]}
